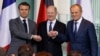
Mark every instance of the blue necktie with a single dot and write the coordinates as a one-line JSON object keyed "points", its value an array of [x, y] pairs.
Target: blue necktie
{"points": [[75, 29], [50, 26], [25, 25]]}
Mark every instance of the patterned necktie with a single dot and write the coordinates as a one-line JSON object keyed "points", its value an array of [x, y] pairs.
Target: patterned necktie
{"points": [[50, 26], [25, 25]]}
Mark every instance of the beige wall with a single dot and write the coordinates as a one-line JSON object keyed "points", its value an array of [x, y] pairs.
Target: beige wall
{"points": [[63, 10], [0, 4]]}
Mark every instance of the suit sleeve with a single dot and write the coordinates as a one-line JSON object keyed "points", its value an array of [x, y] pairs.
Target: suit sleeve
{"points": [[62, 31], [40, 45], [64, 37], [15, 31], [93, 40]]}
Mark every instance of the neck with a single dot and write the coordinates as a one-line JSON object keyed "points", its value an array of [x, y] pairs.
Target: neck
{"points": [[52, 20]]}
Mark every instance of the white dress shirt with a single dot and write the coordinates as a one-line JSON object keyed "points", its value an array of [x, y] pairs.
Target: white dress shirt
{"points": [[48, 24], [26, 23], [78, 24]]}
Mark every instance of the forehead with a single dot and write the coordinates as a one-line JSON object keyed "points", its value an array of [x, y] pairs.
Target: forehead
{"points": [[51, 8], [75, 8], [24, 6]]}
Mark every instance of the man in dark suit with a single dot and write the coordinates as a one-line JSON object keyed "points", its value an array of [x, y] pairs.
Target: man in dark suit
{"points": [[81, 33], [50, 43], [22, 30]]}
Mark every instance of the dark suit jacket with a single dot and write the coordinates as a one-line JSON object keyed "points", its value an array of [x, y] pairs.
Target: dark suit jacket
{"points": [[51, 45], [18, 35], [85, 41]]}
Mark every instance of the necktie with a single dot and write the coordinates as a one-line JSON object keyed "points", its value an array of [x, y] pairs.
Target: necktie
{"points": [[75, 29], [50, 26], [25, 25]]}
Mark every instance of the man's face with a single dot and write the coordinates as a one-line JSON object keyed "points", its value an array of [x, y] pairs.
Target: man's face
{"points": [[51, 13], [24, 11], [76, 13]]}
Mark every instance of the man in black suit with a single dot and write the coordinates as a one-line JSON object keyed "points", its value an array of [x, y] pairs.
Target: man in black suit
{"points": [[81, 33], [23, 30], [49, 43]]}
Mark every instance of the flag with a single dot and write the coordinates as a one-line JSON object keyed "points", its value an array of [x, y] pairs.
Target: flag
{"points": [[0, 5], [42, 10], [9, 11], [68, 47], [87, 9]]}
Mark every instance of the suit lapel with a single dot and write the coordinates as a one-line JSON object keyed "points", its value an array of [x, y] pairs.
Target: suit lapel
{"points": [[20, 24], [71, 27], [56, 25], [71, 30], [45, 28], [80, 27]]}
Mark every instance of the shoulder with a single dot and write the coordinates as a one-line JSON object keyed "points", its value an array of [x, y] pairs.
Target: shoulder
{"points": [[87, 22], [69, 23], [13, 20], [31, 21], [60, 23], [42, 23]]}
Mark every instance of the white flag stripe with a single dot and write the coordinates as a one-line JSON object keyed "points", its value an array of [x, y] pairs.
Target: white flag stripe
{"points": [[8, 13], [87, 9], [0, 5], [36, 9]]}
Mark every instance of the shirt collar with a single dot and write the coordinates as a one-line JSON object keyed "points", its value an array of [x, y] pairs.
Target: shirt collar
{"points": [[23, 18], [54, 21]]}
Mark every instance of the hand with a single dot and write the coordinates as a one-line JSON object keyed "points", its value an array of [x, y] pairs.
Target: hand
{"points": [[37, 37], [53, 34], [12, 55]]}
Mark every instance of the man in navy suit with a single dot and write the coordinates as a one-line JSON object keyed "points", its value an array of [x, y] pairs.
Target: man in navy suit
{"points": [[80, 32]]}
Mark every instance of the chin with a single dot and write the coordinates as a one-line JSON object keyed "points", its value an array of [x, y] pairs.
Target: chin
{"points": [[24, 16], [75, 19]]}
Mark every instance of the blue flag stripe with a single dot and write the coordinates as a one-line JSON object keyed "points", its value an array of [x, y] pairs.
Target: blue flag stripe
{"points": [[78, 1], [49, 2], [7, 3]]}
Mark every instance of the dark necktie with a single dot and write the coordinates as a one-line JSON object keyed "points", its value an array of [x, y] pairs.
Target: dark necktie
{"points": [[50, 26], [75, 29], [25, 25]]}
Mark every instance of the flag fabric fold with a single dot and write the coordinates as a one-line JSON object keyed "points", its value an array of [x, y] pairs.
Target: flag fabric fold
{"points": [[42, 10], [87, 9], [9, 11]]}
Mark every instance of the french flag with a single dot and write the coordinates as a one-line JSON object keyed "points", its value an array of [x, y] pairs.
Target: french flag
{"points": [[9, 11]]}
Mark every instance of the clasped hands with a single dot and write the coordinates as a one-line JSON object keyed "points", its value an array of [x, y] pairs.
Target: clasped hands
{"points": [[53, 34], [36, 38]]}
